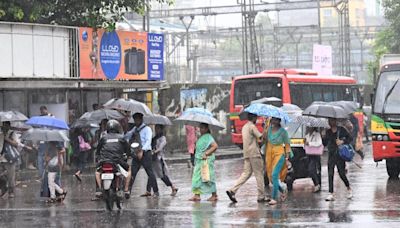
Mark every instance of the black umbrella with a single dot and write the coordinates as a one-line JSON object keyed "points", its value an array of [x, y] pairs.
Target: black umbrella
{"points": [[325, 110]]}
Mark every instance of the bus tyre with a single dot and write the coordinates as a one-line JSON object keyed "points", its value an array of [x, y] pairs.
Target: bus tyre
{"points": [[393, 168]]}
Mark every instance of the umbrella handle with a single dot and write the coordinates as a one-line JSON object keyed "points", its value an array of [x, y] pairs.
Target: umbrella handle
{"points": [[358, 165]]}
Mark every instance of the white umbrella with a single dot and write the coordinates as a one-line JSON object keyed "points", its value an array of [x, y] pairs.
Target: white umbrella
{"points": [[157, 119], [195, 116], [12, 116], [130, 105], [47, 135]]}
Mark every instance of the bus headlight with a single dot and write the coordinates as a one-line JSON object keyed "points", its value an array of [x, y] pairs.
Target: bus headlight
{"points": [[385, 138], [379, 137]]}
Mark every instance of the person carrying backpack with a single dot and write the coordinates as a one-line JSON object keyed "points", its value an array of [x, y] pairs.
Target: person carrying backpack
{"points": [[141, 134], [332, 139]]}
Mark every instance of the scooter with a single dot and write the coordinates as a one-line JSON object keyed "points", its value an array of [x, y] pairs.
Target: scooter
{"points": [[112, 178]]}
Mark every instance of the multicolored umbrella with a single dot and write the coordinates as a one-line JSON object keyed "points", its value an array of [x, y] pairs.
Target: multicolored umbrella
{"points": [[267, 111], [195, 116]]}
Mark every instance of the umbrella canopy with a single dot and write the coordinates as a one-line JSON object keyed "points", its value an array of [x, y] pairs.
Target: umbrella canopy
{"points": [[325, 110], [98, 115], [348, 106], [268, 100], [79, 123], [310, 121], [47, 135], [20, 125], [47, 121], [128, 105], [290, 107], [195, 116], [12, 116], [267, 111], [157, 119]]}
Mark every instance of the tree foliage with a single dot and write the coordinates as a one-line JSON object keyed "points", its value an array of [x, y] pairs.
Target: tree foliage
{"points": [[387, 40], [90, 13]]}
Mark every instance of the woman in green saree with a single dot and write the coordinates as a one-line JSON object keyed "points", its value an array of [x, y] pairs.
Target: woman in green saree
{"points": [[205, 148]]}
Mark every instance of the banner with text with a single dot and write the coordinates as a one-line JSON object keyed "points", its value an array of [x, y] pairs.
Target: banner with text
{"points": [[120, 55], [322, 59]]}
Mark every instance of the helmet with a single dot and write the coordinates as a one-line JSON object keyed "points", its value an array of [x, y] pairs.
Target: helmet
{"points": [[113, 126]]}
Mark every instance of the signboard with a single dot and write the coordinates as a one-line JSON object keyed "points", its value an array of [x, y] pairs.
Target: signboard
{"points": [[117, 55], [322, 59], [156, 56]]}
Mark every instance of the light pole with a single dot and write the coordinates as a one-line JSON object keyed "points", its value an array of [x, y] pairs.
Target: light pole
{"points": [[187, 27]]}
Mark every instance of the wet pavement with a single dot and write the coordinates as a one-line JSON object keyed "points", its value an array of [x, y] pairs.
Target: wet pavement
{"points": [[375, 203]]}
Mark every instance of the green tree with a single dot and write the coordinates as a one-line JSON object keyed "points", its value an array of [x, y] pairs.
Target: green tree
{"points": [[387, 40], [90, 13]]}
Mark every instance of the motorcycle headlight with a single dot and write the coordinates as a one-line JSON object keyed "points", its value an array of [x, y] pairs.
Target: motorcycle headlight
{"points": [[379, 137]]}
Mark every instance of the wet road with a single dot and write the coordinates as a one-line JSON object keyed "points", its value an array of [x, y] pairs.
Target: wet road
{"points": [[376, 202]]}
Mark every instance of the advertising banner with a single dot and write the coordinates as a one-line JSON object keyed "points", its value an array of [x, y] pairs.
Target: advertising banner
{"points": [[322, 59], [117, 55], [156, 56]]}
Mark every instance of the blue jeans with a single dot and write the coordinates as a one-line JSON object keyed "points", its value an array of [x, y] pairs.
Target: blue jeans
{"points": [[275, 177], [40, 159]]}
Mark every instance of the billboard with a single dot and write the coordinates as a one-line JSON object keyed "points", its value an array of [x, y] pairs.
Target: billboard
{"points": [[322, 59], [120, 55], [156, 56]]}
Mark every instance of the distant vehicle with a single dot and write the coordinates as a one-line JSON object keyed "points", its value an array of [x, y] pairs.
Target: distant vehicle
{"points": [[385, 118], [292, 86]]}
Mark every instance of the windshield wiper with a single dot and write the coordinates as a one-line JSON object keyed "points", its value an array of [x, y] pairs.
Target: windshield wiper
{"points": [[388, 94]]}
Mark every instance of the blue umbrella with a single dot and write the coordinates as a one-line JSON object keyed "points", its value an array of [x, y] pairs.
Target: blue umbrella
{"points": [[47, 121], [267, 111]]}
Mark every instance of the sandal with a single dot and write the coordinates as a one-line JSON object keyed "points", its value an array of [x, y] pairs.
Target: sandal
{"points": [[213, 198], [147, 194], [195, 199], [174, 191], [63, 195], [51, 200], [78, 177], [272, 202]]}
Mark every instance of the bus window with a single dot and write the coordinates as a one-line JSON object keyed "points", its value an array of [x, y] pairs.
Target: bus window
{"points": [[247, 90], [317, 93]]}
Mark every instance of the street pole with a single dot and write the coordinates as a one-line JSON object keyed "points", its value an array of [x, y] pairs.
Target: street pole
{"points": [[148, 15], [319, 22], [187, 27]]}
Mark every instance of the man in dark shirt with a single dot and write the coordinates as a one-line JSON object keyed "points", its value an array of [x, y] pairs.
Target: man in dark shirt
{"points": [[333, 138]]}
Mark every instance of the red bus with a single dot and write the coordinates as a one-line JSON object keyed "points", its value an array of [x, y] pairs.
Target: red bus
{"points": [[292, 86]]}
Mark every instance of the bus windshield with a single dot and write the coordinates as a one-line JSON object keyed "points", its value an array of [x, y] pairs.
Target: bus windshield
{"points": [[247, 90], [304, 94], [386, 82]]}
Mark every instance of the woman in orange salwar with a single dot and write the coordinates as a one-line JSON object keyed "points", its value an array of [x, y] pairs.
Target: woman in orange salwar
{"points": [[277, 153]]}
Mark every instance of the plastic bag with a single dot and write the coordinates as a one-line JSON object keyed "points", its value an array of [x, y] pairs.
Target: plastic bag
{"points": [[205, 172]]}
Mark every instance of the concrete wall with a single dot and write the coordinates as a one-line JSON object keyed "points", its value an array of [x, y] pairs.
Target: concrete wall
{"points": [[214, 97], [30, 50]]}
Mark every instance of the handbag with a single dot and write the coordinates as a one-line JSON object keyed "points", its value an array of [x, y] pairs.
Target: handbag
{"points": [[346, 151], [314, 150], [11, 153], [83, 146], [205, 172]]}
